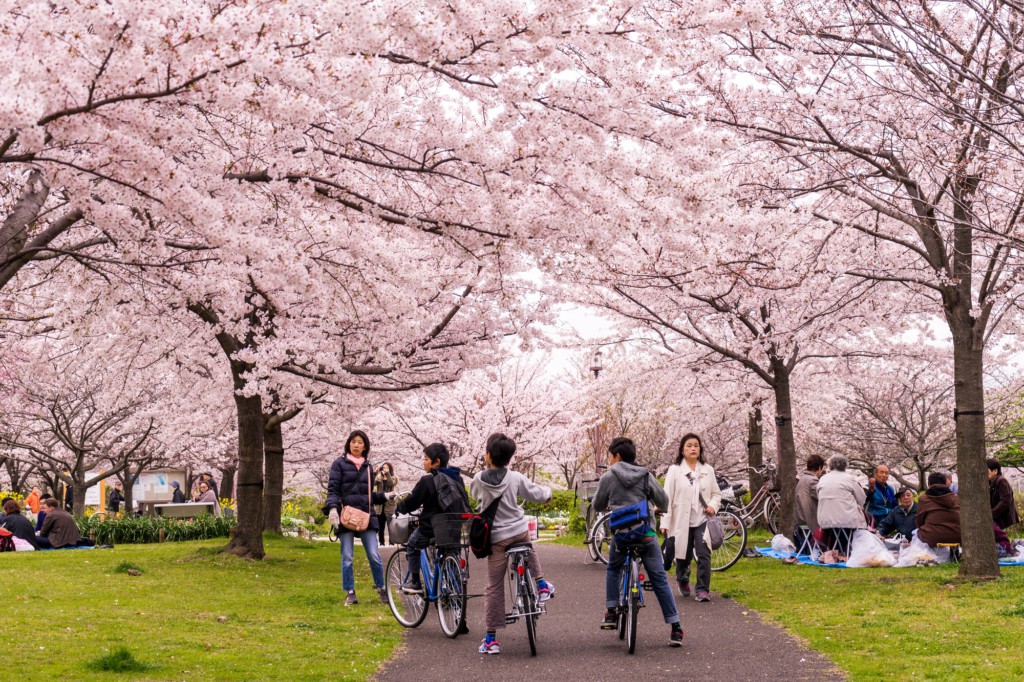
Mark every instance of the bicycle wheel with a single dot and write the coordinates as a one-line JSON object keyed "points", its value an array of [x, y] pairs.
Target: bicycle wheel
{"points": [[408, 609], [451, 597], [601, 538], [773, 514], [632, 606], [529, 592], [734, 541]]}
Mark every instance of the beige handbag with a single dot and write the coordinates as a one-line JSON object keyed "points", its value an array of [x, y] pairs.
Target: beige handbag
{"points": [[354, 518]]}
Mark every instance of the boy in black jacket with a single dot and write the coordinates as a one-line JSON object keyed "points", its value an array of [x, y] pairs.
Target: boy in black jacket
{"points": [[435, 463]]}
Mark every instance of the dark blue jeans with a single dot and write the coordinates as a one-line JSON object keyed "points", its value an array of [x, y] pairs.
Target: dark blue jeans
{"points": [[655, 567], [417, 542]]}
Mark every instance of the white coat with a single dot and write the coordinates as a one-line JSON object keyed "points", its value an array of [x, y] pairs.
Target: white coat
{"points": [[680, 494]]}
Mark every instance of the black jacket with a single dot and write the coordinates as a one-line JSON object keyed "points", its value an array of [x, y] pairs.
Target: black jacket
{"points": [[351, 487], [425, 495], [21, 528], [899, 521], [1000, 496]]}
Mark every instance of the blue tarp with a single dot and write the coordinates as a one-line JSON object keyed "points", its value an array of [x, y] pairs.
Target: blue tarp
{"points": [[804, 559]]}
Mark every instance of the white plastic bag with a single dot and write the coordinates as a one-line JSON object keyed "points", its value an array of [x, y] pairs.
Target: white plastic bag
{"points": [[917, 553], [867, 550], [23, 545], [782, 544]]}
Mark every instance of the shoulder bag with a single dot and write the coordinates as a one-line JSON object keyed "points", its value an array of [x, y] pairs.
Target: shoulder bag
{"points": [[354, 518]]}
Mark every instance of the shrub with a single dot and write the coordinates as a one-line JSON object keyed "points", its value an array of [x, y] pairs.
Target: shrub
{"points": [[119, 660], [146, 529], [563, 503]]}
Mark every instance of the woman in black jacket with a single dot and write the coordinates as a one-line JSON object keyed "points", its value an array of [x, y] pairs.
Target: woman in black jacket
{"points": [[19, 526], [1000, 496], [351, 485]]}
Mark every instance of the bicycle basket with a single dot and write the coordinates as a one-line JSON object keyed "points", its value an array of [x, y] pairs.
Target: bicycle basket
{"points": [[400, 528], [588, 489], [450, 529]]}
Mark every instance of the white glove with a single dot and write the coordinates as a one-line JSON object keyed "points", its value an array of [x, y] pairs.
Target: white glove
{"points": [[333, 518]]}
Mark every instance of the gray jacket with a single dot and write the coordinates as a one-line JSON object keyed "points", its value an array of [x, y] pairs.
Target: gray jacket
{"points": [[806, 513], [509, 520], [623, 485]]}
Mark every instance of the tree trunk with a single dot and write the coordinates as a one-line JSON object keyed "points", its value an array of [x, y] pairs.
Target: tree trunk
{"points": [[273, 466], [78, 500], [787, 446], [977, 538], [755, 448], [227, 481], [247, 541]]}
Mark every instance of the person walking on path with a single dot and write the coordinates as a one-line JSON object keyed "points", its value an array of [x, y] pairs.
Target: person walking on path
{"points": [[115, 498], [693, 496], [1000, 495], [386, 483], [351, 485]]}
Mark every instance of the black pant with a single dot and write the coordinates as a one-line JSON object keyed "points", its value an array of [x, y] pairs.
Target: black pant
{"points": [[382, 520], [695, 544]]}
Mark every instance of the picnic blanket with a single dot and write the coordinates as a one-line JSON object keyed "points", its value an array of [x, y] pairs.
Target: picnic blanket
{"points": [[805, 559]]}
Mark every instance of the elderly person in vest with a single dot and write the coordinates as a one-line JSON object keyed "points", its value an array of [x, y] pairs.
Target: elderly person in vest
{"points": [[805, 514], [840, 503], [693, 496]]}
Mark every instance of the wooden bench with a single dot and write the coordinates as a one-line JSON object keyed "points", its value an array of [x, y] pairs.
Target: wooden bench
{"points": [[184, 510]]}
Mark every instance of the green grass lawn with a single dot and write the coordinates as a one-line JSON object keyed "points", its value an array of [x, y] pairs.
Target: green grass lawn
{"points": [[191, 614], [895, 623]]}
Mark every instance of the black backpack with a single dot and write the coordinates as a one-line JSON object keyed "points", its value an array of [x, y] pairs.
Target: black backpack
{"points": [[452, 498], [480, 530]]}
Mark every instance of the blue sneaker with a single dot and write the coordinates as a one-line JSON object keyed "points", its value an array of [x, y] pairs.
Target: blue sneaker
{"points": [[489, 646], [545, 590]]}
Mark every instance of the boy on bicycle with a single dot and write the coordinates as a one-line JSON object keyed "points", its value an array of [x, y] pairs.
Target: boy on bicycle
{"points": [[626, 483], [497, 482], [424, 494]]}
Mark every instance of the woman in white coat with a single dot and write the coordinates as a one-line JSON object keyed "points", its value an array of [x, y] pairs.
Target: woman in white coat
{"points": [[693, 496]]}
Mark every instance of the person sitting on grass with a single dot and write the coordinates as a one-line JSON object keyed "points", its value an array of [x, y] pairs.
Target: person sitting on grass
{"points": [[900, 520], [938, 512], [497, 482], [59, 529], [424, 494], [627, 483], [19, 526]]}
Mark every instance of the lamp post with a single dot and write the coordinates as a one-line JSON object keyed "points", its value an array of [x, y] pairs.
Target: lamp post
{"points": [[596, 367]]}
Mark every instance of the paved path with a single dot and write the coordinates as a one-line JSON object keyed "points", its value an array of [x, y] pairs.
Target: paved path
{"points": [[723, 641]]}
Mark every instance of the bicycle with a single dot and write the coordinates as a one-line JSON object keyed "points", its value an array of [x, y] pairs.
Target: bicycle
{"points": [[596, 523], [522, 589], [631, 594], [765, 503], [734, 541], [444, 571]]}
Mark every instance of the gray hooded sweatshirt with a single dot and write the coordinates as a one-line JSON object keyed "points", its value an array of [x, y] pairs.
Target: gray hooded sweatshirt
{"points": [[491, 484], [623, 485]]}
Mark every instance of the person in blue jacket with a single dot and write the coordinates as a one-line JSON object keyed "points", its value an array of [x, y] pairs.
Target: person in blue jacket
{"points": [[881, 498]]}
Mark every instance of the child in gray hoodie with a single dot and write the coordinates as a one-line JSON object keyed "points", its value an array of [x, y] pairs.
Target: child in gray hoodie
{"points": [[627, 483], [509, 527]]}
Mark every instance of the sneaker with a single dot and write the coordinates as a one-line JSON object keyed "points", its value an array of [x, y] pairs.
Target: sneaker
{"points": [[702, 595], [489, 646], [684, 589], [610, 622], [676, 639], [383, 592], [413, 585], [545, 590], [350, 598]]}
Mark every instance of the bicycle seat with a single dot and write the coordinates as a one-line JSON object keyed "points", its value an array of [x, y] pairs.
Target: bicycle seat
{"points": [[518, 547]]}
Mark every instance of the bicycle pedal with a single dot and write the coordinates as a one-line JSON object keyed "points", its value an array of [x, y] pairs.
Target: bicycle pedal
{"points": [[510, 618]]}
